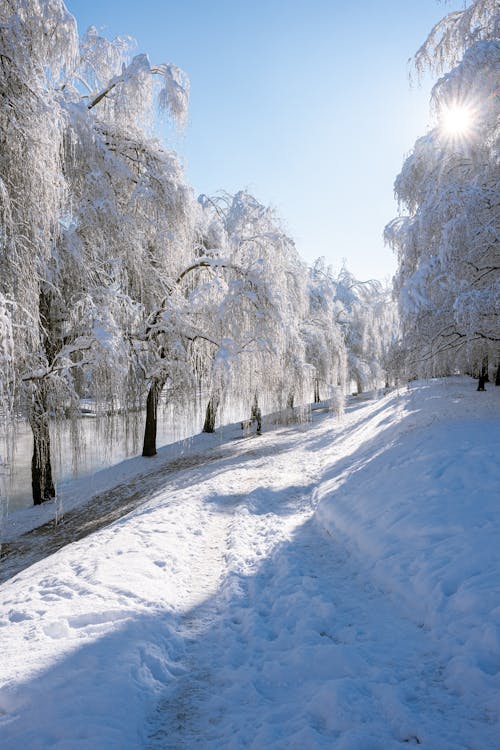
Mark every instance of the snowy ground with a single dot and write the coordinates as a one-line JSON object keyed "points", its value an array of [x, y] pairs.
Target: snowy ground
{"points": [[331, 585]]}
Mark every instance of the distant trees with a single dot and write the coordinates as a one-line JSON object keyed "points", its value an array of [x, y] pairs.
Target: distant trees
{"points": [[350, 331], [261, 302], [370, 324], [448, 280], [323, 332]]}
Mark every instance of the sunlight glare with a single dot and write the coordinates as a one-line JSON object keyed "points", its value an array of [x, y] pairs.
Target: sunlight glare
{"points": [[457, 121]]}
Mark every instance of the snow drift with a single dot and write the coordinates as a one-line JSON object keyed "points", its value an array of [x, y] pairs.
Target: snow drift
{"points": [[420, 509]]}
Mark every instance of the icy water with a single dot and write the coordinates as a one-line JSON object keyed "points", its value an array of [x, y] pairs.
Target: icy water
{"points": [[99, 443], [80, 449]]}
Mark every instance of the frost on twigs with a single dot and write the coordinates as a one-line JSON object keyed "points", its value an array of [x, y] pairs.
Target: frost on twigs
{"points": [[455, 33], [173, 97], [126, 90], [38, 40]]}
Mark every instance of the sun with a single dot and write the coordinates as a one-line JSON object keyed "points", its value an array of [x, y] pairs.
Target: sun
{"points": [[457, 121]]}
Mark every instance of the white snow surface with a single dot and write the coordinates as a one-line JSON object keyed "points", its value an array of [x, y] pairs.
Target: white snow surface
{"points": [[325, 585]]}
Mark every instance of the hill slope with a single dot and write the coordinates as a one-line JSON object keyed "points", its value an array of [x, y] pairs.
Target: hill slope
{"points": [[331, 585]]}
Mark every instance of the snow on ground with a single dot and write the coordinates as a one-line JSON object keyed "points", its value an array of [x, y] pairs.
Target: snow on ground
{"points": [[328, 585], [72, 493], [423, 512]]}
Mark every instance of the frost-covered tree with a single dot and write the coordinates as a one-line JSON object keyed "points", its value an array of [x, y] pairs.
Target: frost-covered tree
{"points": [[350, 331], [90, 231], [323, 332], [224, 322], [275, 366], [459, 30], [135, 205], [448, 278], [370, 329], [260, 355], [38, 47]]}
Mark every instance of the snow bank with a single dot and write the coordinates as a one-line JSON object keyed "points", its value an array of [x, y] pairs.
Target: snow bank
{"points": [[72, 493], [419, 509]]}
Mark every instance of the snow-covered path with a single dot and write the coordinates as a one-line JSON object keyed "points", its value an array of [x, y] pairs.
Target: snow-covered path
{"points": [[236, 608], [308, 654], [298, 648]]}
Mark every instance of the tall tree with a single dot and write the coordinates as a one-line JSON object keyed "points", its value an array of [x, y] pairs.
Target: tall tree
{"points": [[38, 46], [92, 229], [323, 332], [448, 278], [261, 314]]}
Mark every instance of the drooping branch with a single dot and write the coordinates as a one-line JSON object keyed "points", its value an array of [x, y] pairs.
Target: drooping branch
{"points": [[173, 96], [102, 94]]}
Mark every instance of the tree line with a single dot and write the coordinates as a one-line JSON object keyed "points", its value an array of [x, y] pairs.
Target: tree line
{"points": [[118, 285]]}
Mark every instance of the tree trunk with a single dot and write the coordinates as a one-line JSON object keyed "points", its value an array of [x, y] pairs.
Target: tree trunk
{"points": [[483, 376], [41, 468], [211, 414], [290, 400], [316, 391], [497, 378], [256, 415], [149, 445], [485, 370]]}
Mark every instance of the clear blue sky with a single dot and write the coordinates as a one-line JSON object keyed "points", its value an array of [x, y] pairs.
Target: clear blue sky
{"points": [[305, 103]]}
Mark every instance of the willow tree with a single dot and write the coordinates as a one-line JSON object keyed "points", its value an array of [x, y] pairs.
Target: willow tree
{"points": [[448, 279], [145, 229], [261, 296], [370, 324], [216, 313], [38, 48], [91, 232], [270, 366], [323, 332]]}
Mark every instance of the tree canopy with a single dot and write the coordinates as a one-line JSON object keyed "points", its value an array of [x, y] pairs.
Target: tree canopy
{"points": [[448, 280], [117, 285]]}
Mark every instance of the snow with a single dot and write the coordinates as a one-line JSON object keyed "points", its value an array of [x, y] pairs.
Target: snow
{"points": [[75, 492], [333, 584]]}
